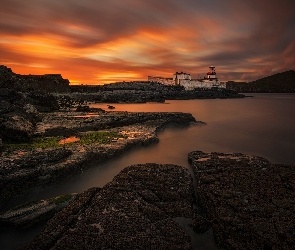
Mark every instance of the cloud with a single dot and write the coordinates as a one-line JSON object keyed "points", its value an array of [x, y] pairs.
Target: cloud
{"points": [[136, 38]]}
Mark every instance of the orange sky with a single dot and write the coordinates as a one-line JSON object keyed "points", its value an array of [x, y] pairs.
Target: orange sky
{"points": [[95, 42]]}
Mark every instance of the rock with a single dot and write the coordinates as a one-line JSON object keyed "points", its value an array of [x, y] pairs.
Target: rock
{"points": [[35, 212], [43, 102], [27, 83], [6, 107], [134, 211], [16, 128], [248, 200], [83, 109], [33, 168], [200, 224], [36, 167], [29, 108]]}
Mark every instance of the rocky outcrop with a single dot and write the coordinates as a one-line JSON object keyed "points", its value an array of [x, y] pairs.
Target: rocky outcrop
{"points": [[19, 113], [249, 201], [141, 92], [27, 83], [134, 211], [32, 167], [69, 123], [32, 213], [42, 101], [16, 128]]}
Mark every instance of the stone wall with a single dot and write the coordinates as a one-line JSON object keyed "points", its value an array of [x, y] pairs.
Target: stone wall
{"points": [[188, 84], [166, 81], [196, 83]]}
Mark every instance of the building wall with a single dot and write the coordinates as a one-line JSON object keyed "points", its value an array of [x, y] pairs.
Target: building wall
{"points": [[166, 81], [188, 84], [194, 83]]}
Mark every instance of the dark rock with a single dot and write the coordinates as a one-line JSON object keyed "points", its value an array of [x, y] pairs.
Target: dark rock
{"points": [[16, 128], [200, 224], [83, 109], [43, 102], [6, 107], [134, 211], [38, 167], [30, 169], [27, 83], [249, 201], [141, 92], [32, 213]]}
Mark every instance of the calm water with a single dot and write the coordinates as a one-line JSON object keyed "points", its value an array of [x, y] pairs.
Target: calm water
{"points": [[263, 125]]}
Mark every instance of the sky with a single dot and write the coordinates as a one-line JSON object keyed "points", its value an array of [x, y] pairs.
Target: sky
{"points": [[104, 41]]}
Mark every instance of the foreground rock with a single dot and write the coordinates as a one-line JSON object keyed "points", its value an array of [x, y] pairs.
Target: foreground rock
{"points": [[35, 212], [20, 112], [249, 201], [22, 169], [134, 211]]}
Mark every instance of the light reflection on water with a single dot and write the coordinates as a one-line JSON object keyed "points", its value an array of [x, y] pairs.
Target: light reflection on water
{"points": [[262, 125]]}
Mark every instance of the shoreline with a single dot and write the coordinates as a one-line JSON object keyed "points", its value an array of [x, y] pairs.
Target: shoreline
{"points": [[19, 173], [231, 197]]}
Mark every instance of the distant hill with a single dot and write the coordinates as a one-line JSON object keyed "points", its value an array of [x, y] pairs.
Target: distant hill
{"points": [[278, 83]]}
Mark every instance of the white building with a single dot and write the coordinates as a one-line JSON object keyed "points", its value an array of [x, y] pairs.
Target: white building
{"points": [[185, 80], [181, 76]]}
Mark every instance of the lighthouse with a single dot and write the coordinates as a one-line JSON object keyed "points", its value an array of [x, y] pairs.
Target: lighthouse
{"points": [[211, 73]]}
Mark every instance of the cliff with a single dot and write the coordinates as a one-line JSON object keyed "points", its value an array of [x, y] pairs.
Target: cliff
{"points": [[46, 83], [278, 83]]}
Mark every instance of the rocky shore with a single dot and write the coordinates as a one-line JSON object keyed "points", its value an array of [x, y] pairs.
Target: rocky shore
{"points": [[134, 211], [104, 134], [31, 213], [141, 92], [249, 201]]}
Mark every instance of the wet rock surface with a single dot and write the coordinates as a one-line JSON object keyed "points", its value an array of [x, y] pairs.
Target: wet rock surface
{"points": [[249, 201], [65, 123], [32, 213], [22, 169], [134, 211], [19, 113]]}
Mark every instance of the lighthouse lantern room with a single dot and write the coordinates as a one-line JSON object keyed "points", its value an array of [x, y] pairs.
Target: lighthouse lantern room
{"points": [[211, 74]]}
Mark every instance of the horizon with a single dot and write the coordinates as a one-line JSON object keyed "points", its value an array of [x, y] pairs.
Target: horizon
{"points": [[94, 43]]}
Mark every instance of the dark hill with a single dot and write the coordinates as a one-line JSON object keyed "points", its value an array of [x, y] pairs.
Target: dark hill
{"points": [[278, 83]]}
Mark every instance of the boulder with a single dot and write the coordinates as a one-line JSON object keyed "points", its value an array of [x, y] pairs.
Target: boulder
{"points": [[83, 109], [16, 128], [43, 102], [249, 201], [134, 211], [31, 109]]}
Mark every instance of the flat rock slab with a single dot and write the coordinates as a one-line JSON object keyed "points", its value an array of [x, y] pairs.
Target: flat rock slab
{"points": [[134, 211], [249, 201], [35, 212]]}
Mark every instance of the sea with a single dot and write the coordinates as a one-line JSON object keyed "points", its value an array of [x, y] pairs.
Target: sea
{"points": [[262, 125]]}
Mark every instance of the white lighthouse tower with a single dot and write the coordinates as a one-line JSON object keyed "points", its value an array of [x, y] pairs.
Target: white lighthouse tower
{"points": [[211, 75]]}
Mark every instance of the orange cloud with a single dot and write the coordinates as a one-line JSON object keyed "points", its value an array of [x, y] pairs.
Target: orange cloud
{"points": [[100, 42]]}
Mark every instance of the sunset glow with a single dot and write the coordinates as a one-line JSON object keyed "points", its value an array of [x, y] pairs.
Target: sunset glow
{"points": [[97, 42]]}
